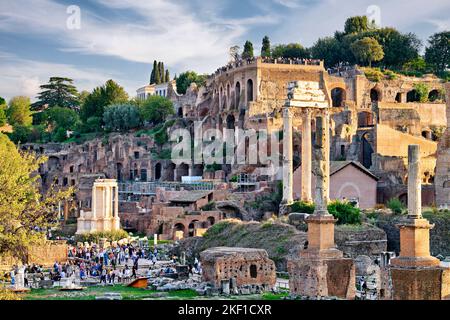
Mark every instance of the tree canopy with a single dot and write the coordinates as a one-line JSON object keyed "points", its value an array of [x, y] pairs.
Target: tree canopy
{"points": [[291, 50], [248, 50], [265, 49], [121, 117], [367, 50], [185, 79], [25, 213], [356, 24], [437, 54], [156, 109], [57, 92], [159, 73], [18, 111], [102, 96]]}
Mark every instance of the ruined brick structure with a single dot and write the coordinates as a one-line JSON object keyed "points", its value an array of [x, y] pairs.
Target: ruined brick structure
{"points": [[238, 266]]}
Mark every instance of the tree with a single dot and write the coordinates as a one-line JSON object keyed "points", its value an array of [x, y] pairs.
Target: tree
{"points": [[185, 79], [158, 74], [2, 101], [356, 24], [152, 77], [58, 92], [156, 109], [367, 50], [103, 96], [437, 54], [121, 117], [19, 112], [3, 117], [291, 50], [162, 72], [327, 49], [25, 213], [64, 118], [265, 49], [248, 50], [167, 78]]}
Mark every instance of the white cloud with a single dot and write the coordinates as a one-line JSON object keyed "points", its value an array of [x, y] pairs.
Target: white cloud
{"points": [[23, 77]]}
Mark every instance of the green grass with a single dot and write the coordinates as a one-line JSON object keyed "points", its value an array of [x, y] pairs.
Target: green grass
{"points": [[274, 296]]}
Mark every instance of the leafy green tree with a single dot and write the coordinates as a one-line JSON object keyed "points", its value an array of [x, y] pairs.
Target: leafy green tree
{"points": [[95, 103], [57, 92], [291, 50], [185, 79], [2, 101], [265, 49], [62, 118], [156, 109], [25, 212], [121, 117], [82, 96], [20, 134], [367, 50], [248, 50], [437, 54], [19, 112], [327, 49], [356, 24]]}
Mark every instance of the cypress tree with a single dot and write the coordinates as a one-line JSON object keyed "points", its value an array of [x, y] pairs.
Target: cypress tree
{"points": [[167, 76], [153, 76], [157, 76], [248, 50], [161, 72], [265, 49]]}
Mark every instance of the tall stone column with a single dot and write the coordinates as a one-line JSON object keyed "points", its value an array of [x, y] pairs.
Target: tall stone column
{"points": [[416, 275], [306, 156], [116, 202], [94, 202], [287, 157]]}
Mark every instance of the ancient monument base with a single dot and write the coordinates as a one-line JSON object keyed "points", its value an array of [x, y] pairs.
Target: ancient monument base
{"points": [[321, 269]]}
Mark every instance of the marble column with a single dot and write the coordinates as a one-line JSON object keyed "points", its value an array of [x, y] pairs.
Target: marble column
{"points": [[94, 202], [414, 183], [116, 202], [321, 166], [287, 157], [306, 157]]}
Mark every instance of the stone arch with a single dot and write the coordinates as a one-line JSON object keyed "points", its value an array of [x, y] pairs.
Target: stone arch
{"points": [[211, 220], [351, 189], [230, 122], [338, 96], [197, 170], [412, 96], [158, 171], [367, 150], [169, 172], [182, 170], [434, 95], [237, 93], [427, 134], [375, 95], [191, 228], [179, 227], [250, 95]]}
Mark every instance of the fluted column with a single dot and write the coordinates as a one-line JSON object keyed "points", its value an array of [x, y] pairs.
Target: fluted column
{"points": [[414, 183], [287, 157], [306, 157]]}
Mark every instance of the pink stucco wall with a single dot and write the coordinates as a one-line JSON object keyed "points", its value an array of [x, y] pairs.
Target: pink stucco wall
{"points": [[348, 183]]}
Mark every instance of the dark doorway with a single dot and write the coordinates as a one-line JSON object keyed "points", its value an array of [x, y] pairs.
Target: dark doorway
{"points": [[338, 97], [237, 93], [158, 171], [367, 151], [253, 271], [249, 90], [374, 95]]}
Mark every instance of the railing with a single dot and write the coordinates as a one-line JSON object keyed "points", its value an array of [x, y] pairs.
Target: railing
{"points": [[149, 188]]}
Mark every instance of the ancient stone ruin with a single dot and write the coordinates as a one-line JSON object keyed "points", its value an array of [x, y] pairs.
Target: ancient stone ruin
{"points": [[234, 269]]}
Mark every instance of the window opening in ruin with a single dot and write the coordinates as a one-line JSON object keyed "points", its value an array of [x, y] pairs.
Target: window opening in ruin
{"points": [[434, 95], [398, 97], [249, 90], [158, 171], [412, 96], [136, 154], [338, 96], [144, 175], [374, 95], [253, 271], [237, 92]]}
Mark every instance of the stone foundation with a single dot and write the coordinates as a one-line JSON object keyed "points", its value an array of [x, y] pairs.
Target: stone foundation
{"points": [[239, 266]]}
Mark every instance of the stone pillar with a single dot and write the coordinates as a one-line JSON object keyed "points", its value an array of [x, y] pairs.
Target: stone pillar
{"points": [[287, 157], [116, 202], [94, 201], [416, 275], [414, 183], [306, 157]]}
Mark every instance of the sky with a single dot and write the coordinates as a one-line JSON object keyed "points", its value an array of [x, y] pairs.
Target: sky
{"points": [[92, 41]]}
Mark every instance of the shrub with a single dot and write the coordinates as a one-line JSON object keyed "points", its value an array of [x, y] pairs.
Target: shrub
{"points": [[422, 91], [390, 75], [396, 206], [303, 207], [121, 117], [344, 212], [96, 236], [373, 74], [209, 206]]}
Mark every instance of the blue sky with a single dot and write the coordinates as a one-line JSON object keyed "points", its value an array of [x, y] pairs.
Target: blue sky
{"points": [[119, 39]]}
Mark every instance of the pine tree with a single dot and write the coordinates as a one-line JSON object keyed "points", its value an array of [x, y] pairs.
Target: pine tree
{"points": [[167, 79], [265, 49]]}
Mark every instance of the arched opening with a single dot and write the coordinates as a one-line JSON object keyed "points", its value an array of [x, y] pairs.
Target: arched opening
{"points": [[180, 112], [119, 168], [169, 172], [338, 97], [237, 93], [249, 90], [253, 271], [179, 230], [144, 175], [403, 199], [367, 151], [211, 221], [158, 171], [53, 163], [182, 171], [365, 119], [374, 95], [197, 170], [191, 228], [230, 122], [228, 90], [398, 97], [427, 134], [412, 96], [434, 95]]}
